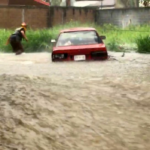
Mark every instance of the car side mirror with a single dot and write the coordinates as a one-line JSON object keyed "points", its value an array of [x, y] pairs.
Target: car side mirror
{"points": [[103, 37], [53, 41]]}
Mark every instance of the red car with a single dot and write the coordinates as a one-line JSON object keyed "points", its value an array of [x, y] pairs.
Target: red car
{"points": [[79, 44]]}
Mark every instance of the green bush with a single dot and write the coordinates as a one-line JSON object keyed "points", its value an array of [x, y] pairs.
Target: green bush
{"points": [[4, 34], [38, 40], [143, 44], [113, 45]]}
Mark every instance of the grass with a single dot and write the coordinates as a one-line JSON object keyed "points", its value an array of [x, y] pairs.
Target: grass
{"points": [[131, 38]]}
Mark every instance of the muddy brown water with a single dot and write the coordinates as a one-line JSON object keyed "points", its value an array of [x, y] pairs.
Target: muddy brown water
{"points": [[74, 105]]}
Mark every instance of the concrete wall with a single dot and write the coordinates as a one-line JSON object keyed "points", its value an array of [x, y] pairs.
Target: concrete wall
{"points": [[60, 15], [123, 17], [120, 17]]}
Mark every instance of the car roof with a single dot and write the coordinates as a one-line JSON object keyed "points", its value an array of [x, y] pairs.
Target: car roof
{"points": [[78, 29]]}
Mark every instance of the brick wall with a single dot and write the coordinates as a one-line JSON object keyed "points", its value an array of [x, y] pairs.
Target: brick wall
{"points": [[44, 17], [11, 17], [37, 17], [4, 2]]}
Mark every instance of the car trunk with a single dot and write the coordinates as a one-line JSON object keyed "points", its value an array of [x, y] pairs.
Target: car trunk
{"points": [[95, 51]]}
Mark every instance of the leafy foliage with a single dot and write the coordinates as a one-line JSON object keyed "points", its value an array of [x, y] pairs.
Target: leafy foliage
{"points": [[55, 2], [143, 44], [146, 3]]}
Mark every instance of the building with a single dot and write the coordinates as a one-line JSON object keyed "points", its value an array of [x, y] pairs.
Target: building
{"points": [[102, 4], [25, 2], [92, 3], [89, 3]]}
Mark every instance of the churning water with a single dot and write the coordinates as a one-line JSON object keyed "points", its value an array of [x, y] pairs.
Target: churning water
{"points": [[74, 105]]}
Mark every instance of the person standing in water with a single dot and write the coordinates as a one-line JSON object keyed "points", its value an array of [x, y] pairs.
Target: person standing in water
{"points": [[16, 38]]}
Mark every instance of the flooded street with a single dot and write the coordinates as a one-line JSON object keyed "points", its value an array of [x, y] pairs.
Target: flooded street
{"points": [[102, 105]]}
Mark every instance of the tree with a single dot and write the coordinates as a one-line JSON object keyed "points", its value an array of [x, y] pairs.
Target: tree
{"points": [[128, 3], [146, 3], [55, 2]]}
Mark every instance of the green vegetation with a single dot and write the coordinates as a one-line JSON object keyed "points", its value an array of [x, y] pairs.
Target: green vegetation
{"points": [[55, 2], [127, 39], [117, 39], [143, 44]]}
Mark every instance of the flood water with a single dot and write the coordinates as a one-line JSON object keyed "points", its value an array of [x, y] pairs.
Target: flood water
{"points": [[101, 105]]}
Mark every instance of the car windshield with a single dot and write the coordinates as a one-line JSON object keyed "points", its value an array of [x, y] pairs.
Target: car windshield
{"points": [[78, 38]]}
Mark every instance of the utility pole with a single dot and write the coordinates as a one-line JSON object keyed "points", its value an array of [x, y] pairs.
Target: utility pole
{"points": [[102, 3], [137, 3]]}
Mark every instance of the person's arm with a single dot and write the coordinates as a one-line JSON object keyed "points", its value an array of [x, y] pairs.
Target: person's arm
{"points": [[24, 36]]}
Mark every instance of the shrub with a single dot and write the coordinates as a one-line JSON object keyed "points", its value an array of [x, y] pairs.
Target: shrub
{"points": [[113, 45], [143, 44]]}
